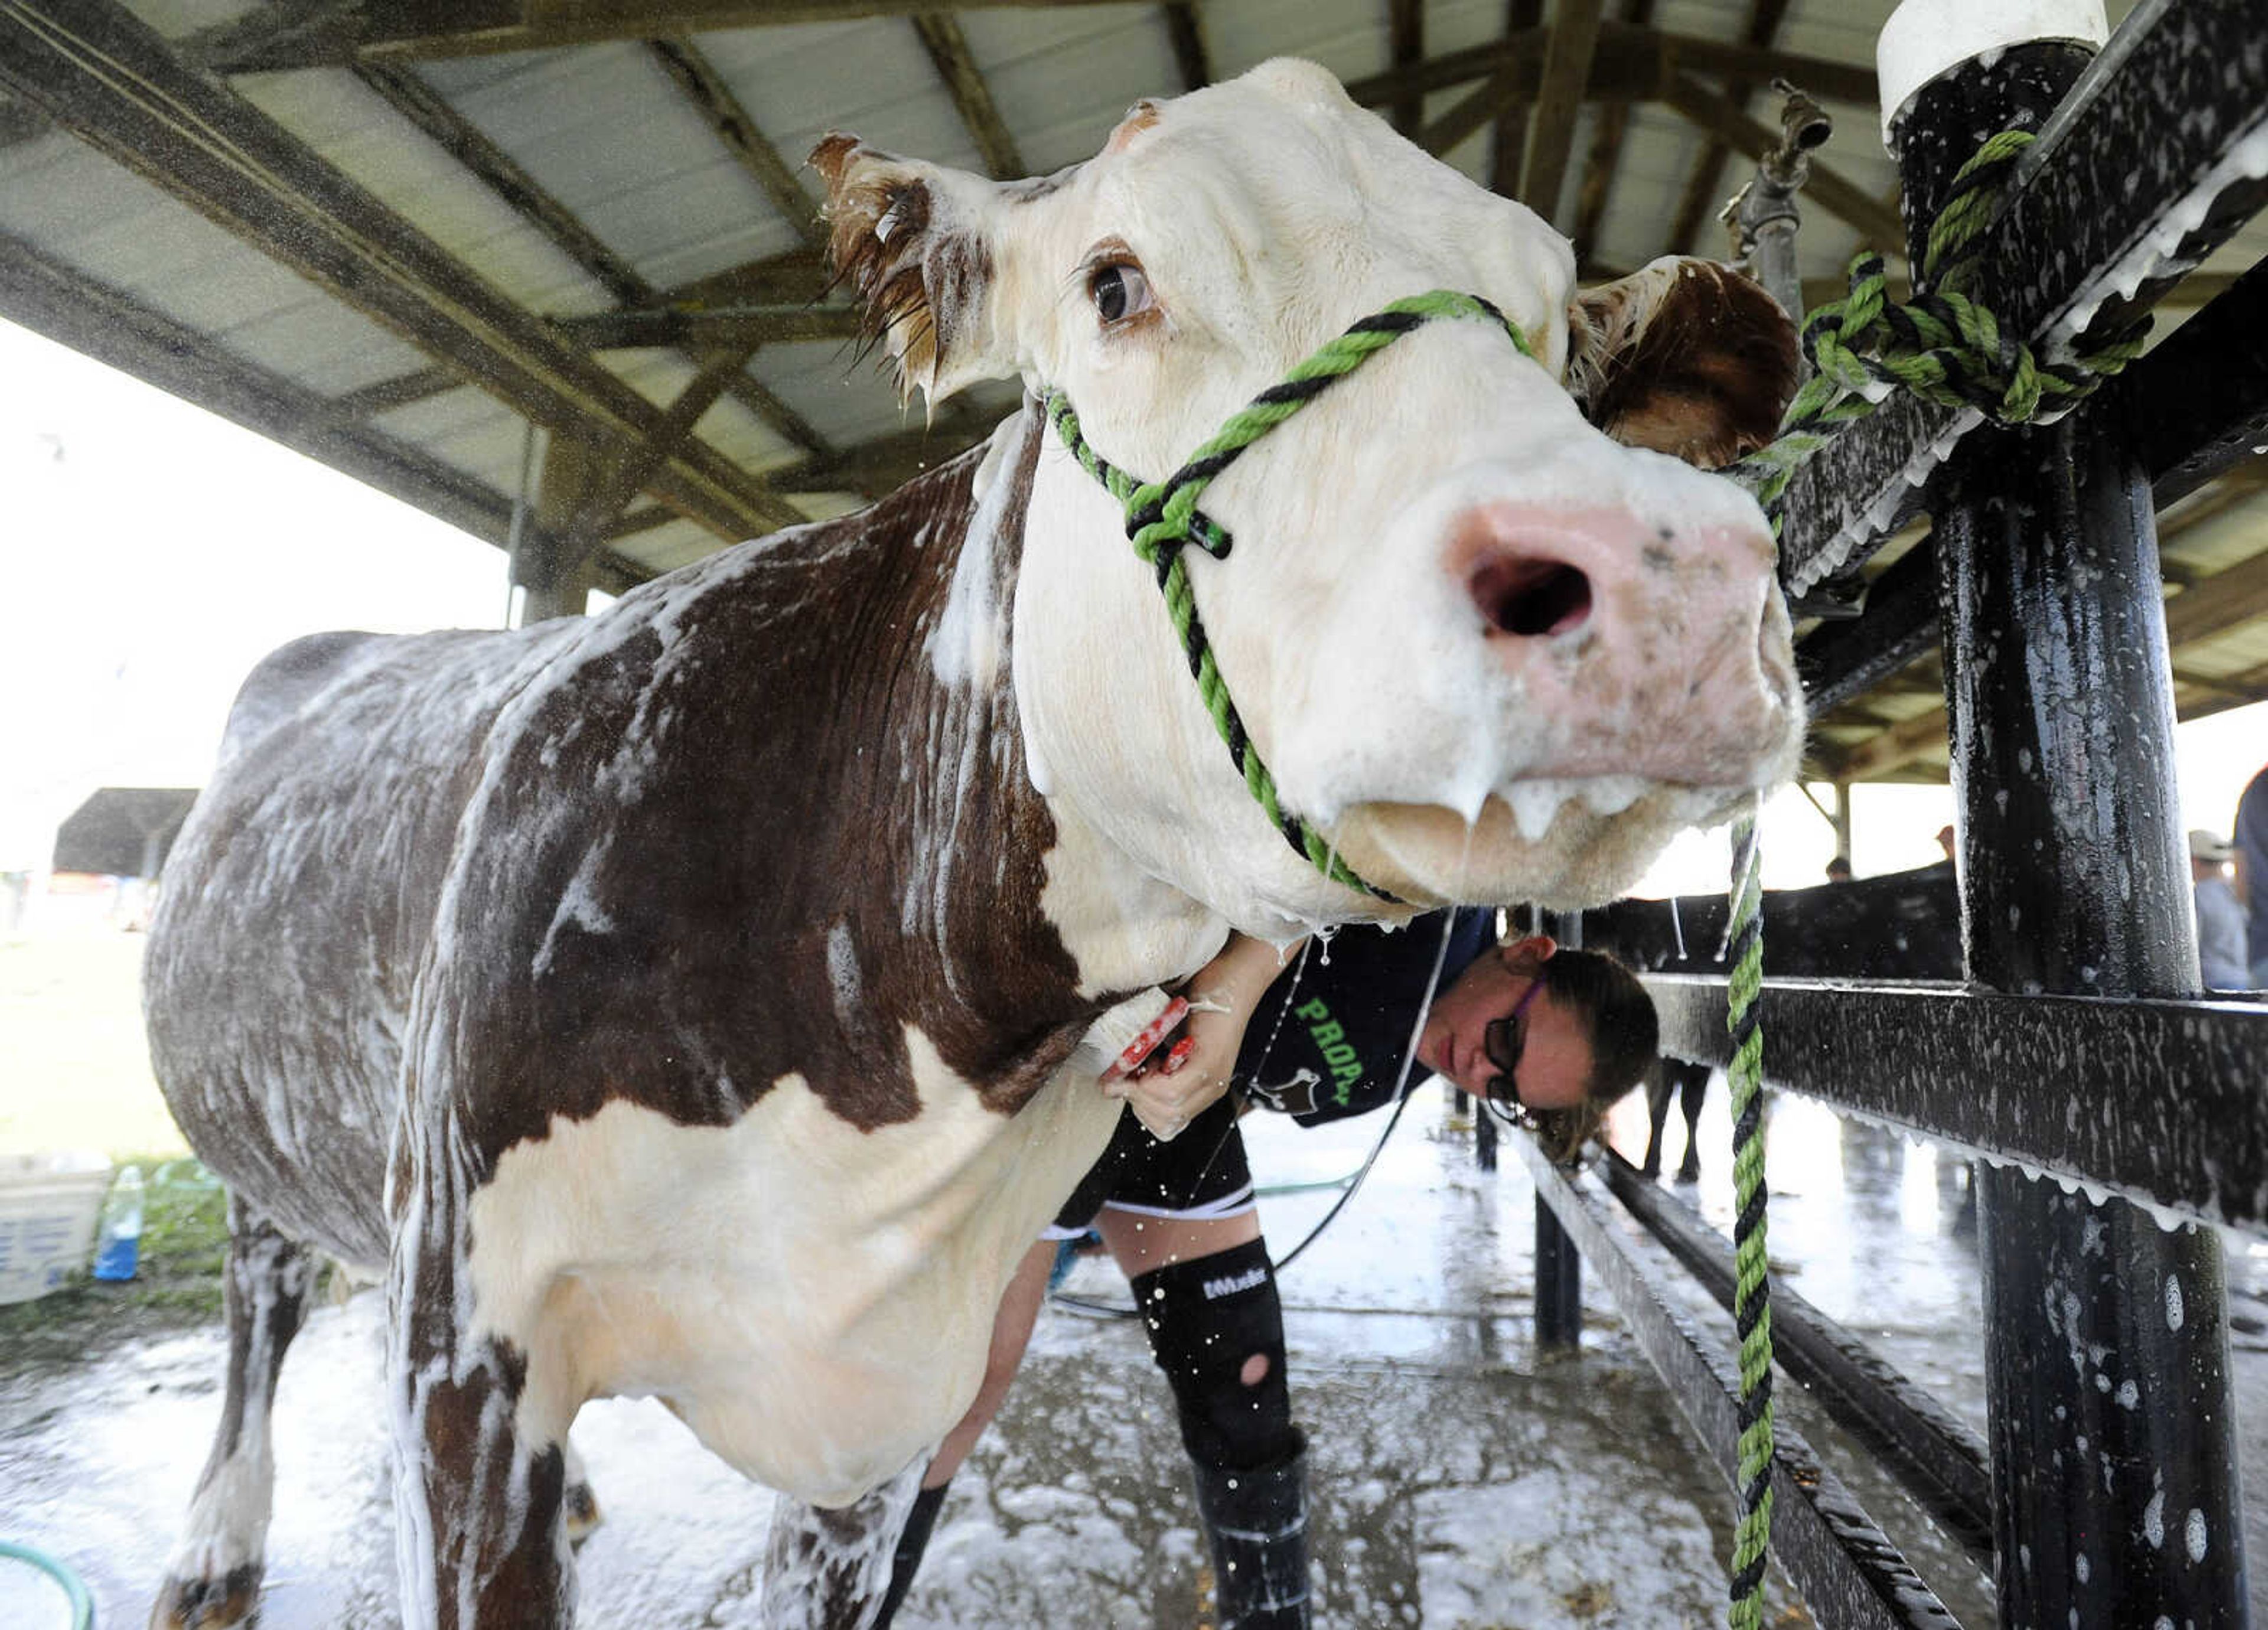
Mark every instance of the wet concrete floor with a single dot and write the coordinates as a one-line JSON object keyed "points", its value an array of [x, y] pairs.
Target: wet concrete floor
{"points": [[1462, 1481]]}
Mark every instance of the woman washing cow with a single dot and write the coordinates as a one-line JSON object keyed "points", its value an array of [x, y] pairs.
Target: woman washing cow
{"points": [[1555, 1037]]}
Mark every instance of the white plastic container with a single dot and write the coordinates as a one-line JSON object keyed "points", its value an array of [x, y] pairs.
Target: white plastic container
{"points": [[47, 1207]]}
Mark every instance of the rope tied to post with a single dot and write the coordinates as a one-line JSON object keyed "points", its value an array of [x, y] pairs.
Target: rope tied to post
{"points": [[1941, 344], [1163, 516], [1751, 1278], [1948, 348]]}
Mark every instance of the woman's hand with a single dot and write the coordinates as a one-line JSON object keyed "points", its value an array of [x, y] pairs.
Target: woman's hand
{"points": [[1189, 1070]]}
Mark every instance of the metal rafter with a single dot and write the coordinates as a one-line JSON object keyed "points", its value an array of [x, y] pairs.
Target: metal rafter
{"points": [[1631, 62], [415, 100], [1700, 197], [956, 64], [1598, 165], [1185, 33], [619, 480], [705, 89], [1508, 142], [113, 81], [1185, 29], [1574, 38], [1405, 32], [723, 327]]}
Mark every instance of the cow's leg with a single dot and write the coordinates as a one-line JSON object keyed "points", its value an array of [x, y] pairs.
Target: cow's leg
{"points": [[1658, 1083], [214, 1572], [583, 1514], [1693, 1088], [480, 1471], [829, 1570]]}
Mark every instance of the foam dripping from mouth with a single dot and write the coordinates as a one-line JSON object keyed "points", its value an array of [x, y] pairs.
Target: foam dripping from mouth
{"points": [[1536, 804]]}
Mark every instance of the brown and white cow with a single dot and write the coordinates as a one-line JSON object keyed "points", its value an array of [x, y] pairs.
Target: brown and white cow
{"points": [[706, 999]]}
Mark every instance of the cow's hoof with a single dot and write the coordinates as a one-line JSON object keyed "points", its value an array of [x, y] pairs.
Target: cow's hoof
{"points": [[207, 1603], [1689, 1171], [583, 1514]]}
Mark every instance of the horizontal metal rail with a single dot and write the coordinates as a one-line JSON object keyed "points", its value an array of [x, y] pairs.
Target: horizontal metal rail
{"points": [[1850, 1574], [2118, 199], [1938, 1460], [2162, 1103]]}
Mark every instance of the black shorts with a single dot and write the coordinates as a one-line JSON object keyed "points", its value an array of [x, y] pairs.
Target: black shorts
{"points": [[1326, 1042], [1201, 1174]]}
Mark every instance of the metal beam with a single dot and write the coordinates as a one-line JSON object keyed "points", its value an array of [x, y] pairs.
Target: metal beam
{"points": [[697, 79], [1612, 122], [956, 64], [2158, 1101], [1185, 28], [1405, 44], [1558, 99], [1850, 1574], [886, 462], [603, 504], [1508, 139], [1937, 1459], [718, 328], [408, 94], [73, 309], [1841, 198], [112, 80], [2198, 405], [2111, 183], [1702, 192], [330, 36], [1631, 63]]}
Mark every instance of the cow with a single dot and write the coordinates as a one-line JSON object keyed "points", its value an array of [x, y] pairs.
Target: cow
{"points": [[706, 999]]}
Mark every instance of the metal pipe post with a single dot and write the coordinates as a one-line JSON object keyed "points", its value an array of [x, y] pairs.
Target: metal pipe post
{"points": [[1558, 1282], [1558, 1265], [2114, 1485]]}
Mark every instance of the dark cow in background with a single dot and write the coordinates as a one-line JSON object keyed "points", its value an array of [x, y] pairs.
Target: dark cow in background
{"points": [[1894, 925], [706, 999]]}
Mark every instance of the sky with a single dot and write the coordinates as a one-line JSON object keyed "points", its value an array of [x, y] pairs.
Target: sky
{"points": [[152, 552]]}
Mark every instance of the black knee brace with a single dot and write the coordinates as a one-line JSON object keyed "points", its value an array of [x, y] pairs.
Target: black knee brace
{"points": [[1207, 1319]]}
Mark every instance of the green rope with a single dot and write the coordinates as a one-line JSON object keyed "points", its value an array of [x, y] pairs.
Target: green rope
{"points": [[1944, 347], [1940, 345], [1752, 1286], [1162, 516]]}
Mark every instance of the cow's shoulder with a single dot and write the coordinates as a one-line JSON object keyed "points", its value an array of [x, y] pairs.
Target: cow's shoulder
{"points": [[756, 822]]}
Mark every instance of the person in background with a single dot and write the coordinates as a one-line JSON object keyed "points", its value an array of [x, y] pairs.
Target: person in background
{"points": [[2220, 918], [1553, 1037], [1838, 869], [2251, 840], [1946, 840]]}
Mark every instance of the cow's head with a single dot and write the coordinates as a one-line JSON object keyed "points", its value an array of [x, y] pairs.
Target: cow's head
{"points": [[1487, 640]]}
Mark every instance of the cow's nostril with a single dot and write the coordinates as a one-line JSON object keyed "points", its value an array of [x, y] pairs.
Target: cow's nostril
{"points": [[1531, 594]]}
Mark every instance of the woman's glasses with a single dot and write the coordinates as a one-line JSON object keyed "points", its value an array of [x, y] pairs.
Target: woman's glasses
{"points": [[1504, 1041]]}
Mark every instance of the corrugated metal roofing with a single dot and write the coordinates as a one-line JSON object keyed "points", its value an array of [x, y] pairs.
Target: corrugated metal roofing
{"points": [[605, 131]]}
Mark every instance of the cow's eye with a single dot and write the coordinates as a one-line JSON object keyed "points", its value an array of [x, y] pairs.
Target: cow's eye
{"points": [[1119, 291]]}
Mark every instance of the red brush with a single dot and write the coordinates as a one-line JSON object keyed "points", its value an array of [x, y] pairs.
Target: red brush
{"points": [[1139, 1051]]}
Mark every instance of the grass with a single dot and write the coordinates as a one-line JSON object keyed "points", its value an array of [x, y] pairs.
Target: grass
{"points": [[178, 1284]]}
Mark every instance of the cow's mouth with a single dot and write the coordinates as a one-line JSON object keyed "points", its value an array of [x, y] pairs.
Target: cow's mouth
{"points": [[1564, 843]]}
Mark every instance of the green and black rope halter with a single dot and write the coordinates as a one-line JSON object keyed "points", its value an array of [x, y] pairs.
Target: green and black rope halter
{"points": [[1940, 345], [1162, 516]]}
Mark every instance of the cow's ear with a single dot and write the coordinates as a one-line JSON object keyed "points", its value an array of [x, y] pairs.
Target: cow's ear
{"points": [[915, 243], [1683, 356]]}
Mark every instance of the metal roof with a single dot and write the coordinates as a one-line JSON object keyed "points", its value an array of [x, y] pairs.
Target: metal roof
{"points": [[402, 244]]}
